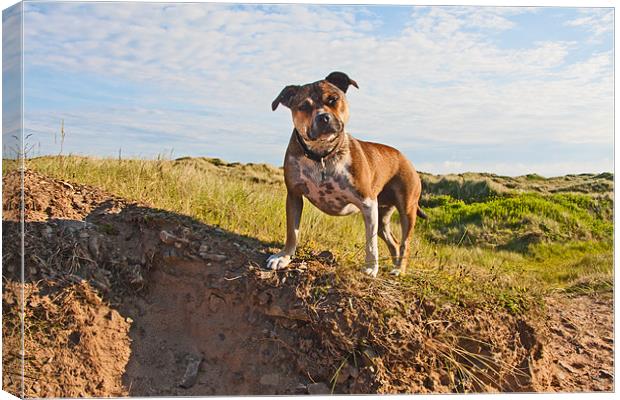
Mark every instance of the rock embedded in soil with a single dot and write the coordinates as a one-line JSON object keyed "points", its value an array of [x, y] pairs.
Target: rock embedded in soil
{"points": [[215, 303], [191, 371], [167, 237], [213, 257]]}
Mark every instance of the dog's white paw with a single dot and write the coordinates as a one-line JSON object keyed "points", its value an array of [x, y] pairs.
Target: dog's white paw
{"points": [[278, 261], [395, 272], [372, 271]]}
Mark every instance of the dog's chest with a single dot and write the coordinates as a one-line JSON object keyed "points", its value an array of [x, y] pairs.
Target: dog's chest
{"points": [[328, 187]]}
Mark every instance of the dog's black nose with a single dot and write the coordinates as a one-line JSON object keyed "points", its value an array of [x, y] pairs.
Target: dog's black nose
{"points": [[323, 118]]}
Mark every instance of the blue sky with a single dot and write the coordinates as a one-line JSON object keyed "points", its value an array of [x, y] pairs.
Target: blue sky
{"points": [[510, 90]]}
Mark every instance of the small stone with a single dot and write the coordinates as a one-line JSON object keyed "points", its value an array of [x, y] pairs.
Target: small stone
{"points": [[167, 237], [204, 248], [318, 388], [215, 302], [129, 320], [191, 371], [270, 380], [213, 257]]}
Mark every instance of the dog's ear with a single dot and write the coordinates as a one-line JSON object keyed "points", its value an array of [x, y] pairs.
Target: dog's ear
{"points": [[285, 97], [341, 80]]}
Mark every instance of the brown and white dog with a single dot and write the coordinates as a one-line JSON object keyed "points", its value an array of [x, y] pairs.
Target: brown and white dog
{"points": [[341, 175]]}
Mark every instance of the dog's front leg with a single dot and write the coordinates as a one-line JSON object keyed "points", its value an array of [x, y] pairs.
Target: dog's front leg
{"points": [[294, 206], [370, 209]]}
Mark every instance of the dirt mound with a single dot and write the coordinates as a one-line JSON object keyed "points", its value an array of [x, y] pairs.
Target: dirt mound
{"points": [[69, 333], [46, 198], [124, 299]]}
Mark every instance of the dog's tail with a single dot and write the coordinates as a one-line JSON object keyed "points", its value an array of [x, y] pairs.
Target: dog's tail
{"points": [[421, 213]]}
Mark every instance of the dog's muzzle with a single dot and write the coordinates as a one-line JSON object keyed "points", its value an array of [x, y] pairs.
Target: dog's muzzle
{"points": [[324, 124]]}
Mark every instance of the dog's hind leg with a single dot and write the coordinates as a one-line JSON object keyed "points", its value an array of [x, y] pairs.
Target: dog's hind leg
{"points": [[385, 233], [407, 223]]}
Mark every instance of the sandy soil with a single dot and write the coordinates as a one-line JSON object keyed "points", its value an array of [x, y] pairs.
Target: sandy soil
{"points": [[123, 299]]}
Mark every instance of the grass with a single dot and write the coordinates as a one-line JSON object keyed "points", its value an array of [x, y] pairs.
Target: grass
{"points": [[490, 240]]}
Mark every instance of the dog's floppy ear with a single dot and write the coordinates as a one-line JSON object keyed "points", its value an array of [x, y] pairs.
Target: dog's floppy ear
{"points": [[341, 80], [285, 96]]}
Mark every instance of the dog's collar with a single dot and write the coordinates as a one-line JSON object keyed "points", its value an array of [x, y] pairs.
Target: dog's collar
{"points": [[311, 154]]}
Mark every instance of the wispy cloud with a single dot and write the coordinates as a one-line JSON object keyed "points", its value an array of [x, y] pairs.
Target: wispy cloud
{"points": [[199, 74], [596, 20]]}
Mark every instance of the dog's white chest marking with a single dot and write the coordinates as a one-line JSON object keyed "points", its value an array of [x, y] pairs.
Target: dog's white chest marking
{"points": [[329, 187]]}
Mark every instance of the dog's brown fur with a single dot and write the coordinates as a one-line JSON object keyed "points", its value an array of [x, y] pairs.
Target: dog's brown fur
{"points": [[375, 178]]}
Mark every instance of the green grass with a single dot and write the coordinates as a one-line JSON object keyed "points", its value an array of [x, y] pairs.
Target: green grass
{"points": [[514, 222], [490, 240]]}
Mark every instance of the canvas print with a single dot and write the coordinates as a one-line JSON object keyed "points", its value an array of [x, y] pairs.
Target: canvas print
{"points": [[288, 199]]}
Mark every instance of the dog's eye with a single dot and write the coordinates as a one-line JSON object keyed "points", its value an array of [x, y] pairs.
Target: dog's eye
{"points": [[332, 101], [305, 106]]}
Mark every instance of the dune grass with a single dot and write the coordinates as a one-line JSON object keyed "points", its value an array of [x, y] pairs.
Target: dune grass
{"points": [[497, 248]]}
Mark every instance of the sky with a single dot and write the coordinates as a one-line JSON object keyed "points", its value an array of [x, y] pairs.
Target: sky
{"points": [[507, 90]]}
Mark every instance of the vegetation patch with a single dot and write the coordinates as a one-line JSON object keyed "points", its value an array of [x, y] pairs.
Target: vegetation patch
{"points": [[516, 222]]}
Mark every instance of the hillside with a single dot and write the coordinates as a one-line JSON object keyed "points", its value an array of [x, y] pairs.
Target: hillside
{"points": [[511, 281]]}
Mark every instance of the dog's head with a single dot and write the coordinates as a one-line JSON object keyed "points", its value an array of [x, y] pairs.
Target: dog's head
{"points": [[319, 109]]}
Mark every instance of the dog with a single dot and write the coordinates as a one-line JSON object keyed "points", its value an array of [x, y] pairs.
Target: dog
{"points": [[341, 175]]}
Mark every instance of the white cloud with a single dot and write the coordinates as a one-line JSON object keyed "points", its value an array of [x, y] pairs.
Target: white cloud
{"points": [[597, 20], [547, 169], [440, 79]]}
